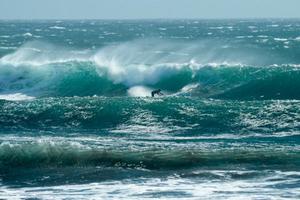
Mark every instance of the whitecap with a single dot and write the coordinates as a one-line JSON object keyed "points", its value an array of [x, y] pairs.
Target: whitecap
{"points": [[162, 29], [273, 25], [262, 36], [57, 27], [218, 27], [6, 48], [109, 33], [27, 34], [280, 39]]}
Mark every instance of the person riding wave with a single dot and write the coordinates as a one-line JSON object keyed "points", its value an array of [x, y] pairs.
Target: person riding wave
{"points": [[158, 92]]}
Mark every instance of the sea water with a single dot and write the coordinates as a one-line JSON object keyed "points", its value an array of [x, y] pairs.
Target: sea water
{"points": [[77, 120]]}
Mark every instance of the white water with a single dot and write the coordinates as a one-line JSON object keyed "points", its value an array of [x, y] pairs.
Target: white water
{"points": [[139, 91], [16, 97], [38, 65], [171, 187]]}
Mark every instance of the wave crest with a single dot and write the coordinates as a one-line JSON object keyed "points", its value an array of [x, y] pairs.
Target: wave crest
{"points": [[41, 69], [53, 154]]}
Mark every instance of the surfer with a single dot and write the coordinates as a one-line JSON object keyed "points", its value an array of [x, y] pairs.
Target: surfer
{"points": [[158, 92]]}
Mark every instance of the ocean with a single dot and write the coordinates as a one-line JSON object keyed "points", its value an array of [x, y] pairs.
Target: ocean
{"points": [[77, 120]]}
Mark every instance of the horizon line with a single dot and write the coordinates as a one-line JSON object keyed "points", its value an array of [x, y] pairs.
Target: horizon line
{"points": [[128, 19]]}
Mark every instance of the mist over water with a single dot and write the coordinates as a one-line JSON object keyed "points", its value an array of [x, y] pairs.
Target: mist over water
{"points": [[76, 116]]}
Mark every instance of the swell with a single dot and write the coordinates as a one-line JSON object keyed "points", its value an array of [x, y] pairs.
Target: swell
{"points": [[51, 154], [175, 115], [39, 69]]}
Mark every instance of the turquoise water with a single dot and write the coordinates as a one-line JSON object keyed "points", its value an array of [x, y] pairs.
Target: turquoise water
{"points": [[77, 120]]}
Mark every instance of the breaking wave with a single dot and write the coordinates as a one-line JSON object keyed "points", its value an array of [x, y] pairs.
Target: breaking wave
{"points": [[52, 154], [205, 69]]}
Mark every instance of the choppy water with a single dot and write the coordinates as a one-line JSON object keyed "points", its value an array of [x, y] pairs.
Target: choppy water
{"points": [[76, 119]]}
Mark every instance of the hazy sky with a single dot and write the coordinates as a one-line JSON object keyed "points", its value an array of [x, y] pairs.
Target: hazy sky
{"points": [[128, 9]]}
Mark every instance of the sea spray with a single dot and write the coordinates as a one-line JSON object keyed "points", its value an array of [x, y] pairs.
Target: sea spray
{"points": [[37, 69]]}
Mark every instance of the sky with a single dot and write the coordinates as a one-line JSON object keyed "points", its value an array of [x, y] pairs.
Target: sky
{"points": [[147, 9]]}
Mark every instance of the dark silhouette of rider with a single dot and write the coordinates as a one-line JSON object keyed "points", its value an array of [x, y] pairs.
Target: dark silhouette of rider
{"points": [[158, 92]]}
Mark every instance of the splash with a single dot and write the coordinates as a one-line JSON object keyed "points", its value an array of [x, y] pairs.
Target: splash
{"points": [[139, 91]]}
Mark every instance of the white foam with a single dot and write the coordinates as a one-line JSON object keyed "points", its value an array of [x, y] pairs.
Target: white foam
{"points": [[162, 29], [263, 36], [8, 47], [273, 25], [139, 91], [263, 186], [145, 62], [137, 64], [189, 87], [15, 97], [57, 27], [27, 34], [186, 90], [109, 33], [280, 39], [216, 28]]}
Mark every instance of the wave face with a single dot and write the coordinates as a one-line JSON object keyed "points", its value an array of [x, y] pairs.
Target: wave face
{"points": [[186, 115], [38, 69], [62, 154], [154, 134], [76, 119]]}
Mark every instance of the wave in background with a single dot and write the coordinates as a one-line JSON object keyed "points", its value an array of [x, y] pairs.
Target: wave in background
{"points": [[203, 68]]}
